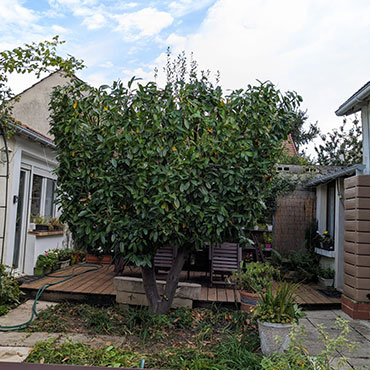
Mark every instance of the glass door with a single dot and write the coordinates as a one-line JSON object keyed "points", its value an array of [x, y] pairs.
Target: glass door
{"points": [[22, 219]]}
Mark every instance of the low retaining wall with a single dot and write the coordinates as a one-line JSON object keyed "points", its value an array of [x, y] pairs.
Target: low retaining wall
{"points": [[130, 291]]}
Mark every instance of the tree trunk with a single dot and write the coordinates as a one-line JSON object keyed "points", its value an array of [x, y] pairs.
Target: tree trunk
{"points": [[163, 304]]}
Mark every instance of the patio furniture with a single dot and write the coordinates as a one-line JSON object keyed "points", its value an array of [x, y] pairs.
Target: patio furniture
{"points": [[225, 258], [163, 259]]}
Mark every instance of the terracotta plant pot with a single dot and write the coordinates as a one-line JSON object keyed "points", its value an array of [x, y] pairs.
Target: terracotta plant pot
{"points": [[248, 300], [76, 258], [105, 260]]}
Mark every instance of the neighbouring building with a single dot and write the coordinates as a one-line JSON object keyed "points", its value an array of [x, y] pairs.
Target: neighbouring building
{"points": [[27, 186]]}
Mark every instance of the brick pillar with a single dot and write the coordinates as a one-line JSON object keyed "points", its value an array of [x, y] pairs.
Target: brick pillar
{"points": [[356, 290]]}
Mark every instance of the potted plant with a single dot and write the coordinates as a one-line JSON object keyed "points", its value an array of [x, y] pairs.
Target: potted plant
{"points": [[77, 256], [41, 223], [267, 238], [252, 279], [326, 276], [97, 255], [45, 263], [327, 242], [55, 224], [64, 257], [276, 311]]}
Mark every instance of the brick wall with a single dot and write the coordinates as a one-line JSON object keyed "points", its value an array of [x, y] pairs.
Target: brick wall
{"points": [[356, 298], [295, 212]]}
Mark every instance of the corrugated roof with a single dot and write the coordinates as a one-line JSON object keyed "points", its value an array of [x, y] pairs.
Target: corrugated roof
{"points": [[345, 172]]}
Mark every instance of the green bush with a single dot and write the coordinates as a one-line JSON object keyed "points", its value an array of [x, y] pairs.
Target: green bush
{"points": [[9, 290], [253, 277]]}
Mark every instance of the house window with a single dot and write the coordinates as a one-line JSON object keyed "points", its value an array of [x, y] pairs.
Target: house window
{"points": [[330, 212], [43, 196]]}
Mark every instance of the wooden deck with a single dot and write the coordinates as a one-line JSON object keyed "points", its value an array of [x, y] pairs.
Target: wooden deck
{"points": [[100, 283]]}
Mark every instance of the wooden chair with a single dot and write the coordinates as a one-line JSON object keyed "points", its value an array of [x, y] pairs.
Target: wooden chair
{"points": [[163, 259], [225, 259]]}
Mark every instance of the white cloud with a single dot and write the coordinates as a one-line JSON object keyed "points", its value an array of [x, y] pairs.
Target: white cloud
{"points": [[320, 49], [108, 64], [95, 21], [59, 29], [12, 12], [176, 42], [180, 8], [143, 23]]}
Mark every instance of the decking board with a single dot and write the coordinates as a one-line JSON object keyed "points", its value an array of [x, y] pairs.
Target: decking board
{"points": [[100, 282]]}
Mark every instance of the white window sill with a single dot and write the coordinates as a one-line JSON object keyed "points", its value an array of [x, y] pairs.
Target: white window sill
{"points": [[324, 252]]}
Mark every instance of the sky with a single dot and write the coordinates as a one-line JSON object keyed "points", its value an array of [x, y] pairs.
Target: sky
{"points": [[318, 48]]}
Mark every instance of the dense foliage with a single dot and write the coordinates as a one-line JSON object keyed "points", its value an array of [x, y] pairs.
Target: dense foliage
{"points": [[341, 147], [183, 165], [9, 290]]}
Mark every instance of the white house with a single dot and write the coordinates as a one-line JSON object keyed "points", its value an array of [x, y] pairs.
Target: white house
{"points": [[30, 186]]}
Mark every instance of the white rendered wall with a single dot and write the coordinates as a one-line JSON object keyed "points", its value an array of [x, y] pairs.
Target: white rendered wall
{"points": [[32, 108]]}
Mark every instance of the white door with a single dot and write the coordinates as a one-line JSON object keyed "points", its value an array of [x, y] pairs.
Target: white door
{"points": [[21, 220]]}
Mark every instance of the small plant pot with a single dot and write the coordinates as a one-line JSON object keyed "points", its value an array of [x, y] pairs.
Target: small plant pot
{"points": [[274, 337], [38, 271], [268, 246], [75, 259], [64, 264], [326, 282], [105, 260], [248, 300], [40, 227], [327, 246]]}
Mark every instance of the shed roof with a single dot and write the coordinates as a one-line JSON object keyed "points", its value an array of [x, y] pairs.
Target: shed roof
{"points": [[343, 172], [355, 102]]}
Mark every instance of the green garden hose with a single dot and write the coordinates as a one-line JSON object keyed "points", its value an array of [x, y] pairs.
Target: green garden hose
{"points": [[43, 288]]}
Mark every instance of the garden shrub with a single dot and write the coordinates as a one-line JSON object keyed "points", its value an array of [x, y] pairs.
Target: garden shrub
{"points": [[9, 290]]}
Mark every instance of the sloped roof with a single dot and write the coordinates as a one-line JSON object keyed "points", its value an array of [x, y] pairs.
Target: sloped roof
{"points": [[343, 172], [32, 134], [355, 102], [290, 146]]}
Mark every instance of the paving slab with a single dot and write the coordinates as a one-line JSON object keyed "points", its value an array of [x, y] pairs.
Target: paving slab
{"points": [[20, 339], [14, 354], [23, 312], [359, 336]]}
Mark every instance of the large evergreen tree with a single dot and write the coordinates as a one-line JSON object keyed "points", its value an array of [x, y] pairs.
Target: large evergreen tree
{"points": [[183, 165]]}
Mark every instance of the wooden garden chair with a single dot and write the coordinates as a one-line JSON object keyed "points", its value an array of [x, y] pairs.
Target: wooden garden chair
{"points": [[225, 258]]}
